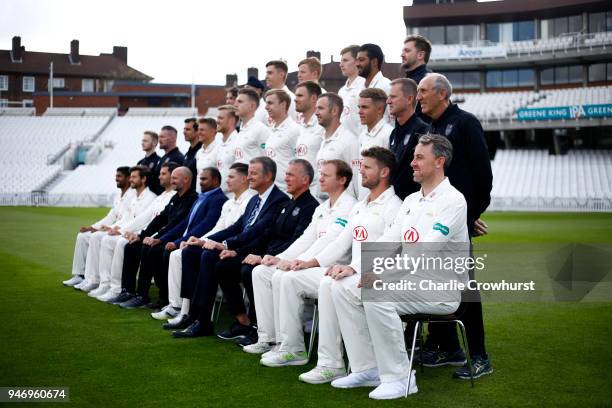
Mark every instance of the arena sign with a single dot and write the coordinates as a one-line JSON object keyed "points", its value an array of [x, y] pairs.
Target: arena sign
{"points": [[465, 52], [565, 112]]}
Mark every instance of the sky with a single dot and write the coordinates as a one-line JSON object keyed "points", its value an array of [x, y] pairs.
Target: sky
{"points": [[182, 41]]}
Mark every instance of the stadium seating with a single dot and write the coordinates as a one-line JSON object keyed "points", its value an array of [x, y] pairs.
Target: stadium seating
{"points": [[574, 96], [80, 112], [30, 143], [17, 111], [94, 183], [183, 112], [581, 180]]}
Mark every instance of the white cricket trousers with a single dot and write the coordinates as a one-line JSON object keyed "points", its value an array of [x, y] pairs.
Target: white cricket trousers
{"points": [[80, 253], [92, 262], [373, 332], [266, 291], [175, 276], [111, 262]]}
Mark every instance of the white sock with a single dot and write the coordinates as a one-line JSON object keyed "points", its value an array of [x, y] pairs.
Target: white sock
{"points": [[185, 307]]}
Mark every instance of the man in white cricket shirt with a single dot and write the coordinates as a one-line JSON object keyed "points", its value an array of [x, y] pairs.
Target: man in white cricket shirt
{"points": [[370, 60], [207, 155], [284, 133], [372, 331], [338, 143], [310, 69], [84, 235], [366, 222], [139, 181], [372, 104], [350, 91], [226, 126], [276, 75], [328, 221], [112, 250], [311, 133], [251, 140]]}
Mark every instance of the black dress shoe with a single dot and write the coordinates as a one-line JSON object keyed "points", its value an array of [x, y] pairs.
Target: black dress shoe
{"points": [[158, 305], [236, 331], [180, 325], [196, 329], [120, 298], [135, 302], [248, 340]]}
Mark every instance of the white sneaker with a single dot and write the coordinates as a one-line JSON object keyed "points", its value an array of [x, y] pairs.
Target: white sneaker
{"points": [[80, 285], [167, 312], [176, 319], [322, 375], [89, 287], [75, 280], [106, 296], [367, 378], [285, 358], [260, 347], [99, 291], [395, 389], [273, 350]]}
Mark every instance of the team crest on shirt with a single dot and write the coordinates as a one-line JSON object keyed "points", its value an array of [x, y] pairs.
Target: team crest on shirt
{"points": [[295, 212], [411, 236], [270, 153], [407, 138], [301, 150], [220, 164], [360, 233], [449, 129], [346, 111], [238, 154], [356, 163]]}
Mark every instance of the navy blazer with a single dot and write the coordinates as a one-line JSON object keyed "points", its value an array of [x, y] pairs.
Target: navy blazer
{"points": [[203, 221], [237, 235]]}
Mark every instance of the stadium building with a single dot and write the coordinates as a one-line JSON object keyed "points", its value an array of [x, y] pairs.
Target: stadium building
{"points": [[536, 73]]}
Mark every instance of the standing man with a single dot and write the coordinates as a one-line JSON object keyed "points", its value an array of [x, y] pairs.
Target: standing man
{"points": [[284, 134], [199, 280], [470, 173], [235, 268], [84, 235], [366, 222], [372, 330], [328, 221], [408, 128], [372, 103], [191, 136], [256, 85], [276, 75], [350, 91], [167, 142], [207, 136], [370, 60], [311, 133], [149, 144], [231, 94], [226, 126], [177, 311], [251, 140], [338, 143], [415, 56], [309, 69]]}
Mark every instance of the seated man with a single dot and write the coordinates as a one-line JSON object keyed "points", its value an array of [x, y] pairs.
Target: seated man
{"points": [[139, 181], [234, 268], [366, 222], [174, 213], [237, 184], [202, 216], [112, 251], [327, 223], [372, 330], [199, 282], [81, 246]]}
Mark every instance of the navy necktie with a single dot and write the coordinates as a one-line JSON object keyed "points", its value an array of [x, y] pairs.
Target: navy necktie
{"points": [[253, 213]]}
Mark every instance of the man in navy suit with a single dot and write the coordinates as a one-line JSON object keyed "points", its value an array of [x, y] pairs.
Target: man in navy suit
{"points": [[199, 282], [233, 269], [201, 218]]}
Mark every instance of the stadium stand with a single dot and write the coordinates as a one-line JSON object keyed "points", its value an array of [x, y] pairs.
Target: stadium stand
{"points": [[93, 184], [535, 180], [17, 111]]}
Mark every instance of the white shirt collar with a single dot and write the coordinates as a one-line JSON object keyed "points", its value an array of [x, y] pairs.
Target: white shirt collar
{"points": [[376, 129], [381, 199], [229, 139], [376, 79], [437, 191], [280, 126], [266, 194], [312, 122], [356, 82]]}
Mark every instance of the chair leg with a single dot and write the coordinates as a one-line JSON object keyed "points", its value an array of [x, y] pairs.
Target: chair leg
{"points": [[219, 303], [414, 337], [421, 349], [313, 331], [467, 349]]}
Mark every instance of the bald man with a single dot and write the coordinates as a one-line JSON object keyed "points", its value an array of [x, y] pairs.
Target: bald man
{"points": [[174, 213]]}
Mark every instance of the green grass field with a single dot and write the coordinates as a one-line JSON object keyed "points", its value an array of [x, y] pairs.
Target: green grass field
{"points": [[544, 354]]}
